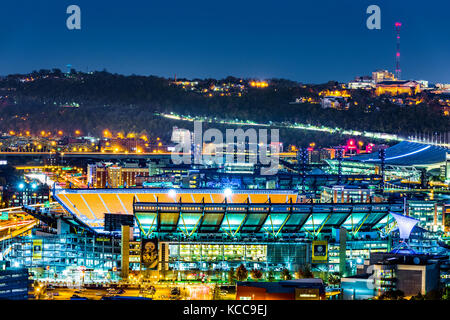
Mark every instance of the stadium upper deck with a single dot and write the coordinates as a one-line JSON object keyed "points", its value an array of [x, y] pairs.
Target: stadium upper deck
{"points": [[262, 218], [90, 205]]}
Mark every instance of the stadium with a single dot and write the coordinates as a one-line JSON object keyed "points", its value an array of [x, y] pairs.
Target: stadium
{"points": [[405, 160], [214, 230]]}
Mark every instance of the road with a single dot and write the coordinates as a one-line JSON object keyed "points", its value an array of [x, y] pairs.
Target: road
{"points": [[187, 292], [18, 222]]}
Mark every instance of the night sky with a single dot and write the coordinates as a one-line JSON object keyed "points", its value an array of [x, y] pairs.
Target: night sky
{"points": [[308, 41]]}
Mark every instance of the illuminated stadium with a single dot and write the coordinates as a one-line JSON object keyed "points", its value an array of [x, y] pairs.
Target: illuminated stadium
{"points": [[209, 229], [193, 212], [409, 154], [402, 161]]}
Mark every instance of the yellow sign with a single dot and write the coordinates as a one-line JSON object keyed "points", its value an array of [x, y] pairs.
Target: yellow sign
{"points": [[37, 249], [319, 251], [307, 294]]}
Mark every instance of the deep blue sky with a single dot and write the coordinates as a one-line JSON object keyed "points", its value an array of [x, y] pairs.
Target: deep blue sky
{"points": [[309, 41]]}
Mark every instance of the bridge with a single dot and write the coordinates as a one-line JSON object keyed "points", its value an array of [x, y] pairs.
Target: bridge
{"points": [[394, 188], [116, 155]]}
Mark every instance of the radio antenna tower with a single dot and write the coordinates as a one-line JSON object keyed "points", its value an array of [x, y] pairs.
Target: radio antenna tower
{"points": [[398, 71]]}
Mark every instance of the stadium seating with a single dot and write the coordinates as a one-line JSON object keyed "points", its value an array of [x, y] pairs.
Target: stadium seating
{"points": [[90, 205]]}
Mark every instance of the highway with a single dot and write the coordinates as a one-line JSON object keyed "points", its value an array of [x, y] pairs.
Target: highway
{"points": [[163, 292], [309, 127], [18, 222]]}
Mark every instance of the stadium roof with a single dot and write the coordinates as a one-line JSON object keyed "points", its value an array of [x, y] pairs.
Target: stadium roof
{"points": [[261, 218], [194, 211], [408, 154]]}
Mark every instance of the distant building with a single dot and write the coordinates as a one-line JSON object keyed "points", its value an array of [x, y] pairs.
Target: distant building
{"points": [[364, 84], [409, 272], [406, 271], [181, 136], [423, 83], [443, 86], [102, 175], [382, 75], [357, 287], [300, 289], [334, 102], [320, 155], [14, 283], [155, 181], [346, 194], [429, 213], [301, 100], [397, 87]]}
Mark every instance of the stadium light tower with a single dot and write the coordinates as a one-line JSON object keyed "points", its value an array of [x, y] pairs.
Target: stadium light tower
{"points": [[398, 71], [172, 193], [228, 192]]}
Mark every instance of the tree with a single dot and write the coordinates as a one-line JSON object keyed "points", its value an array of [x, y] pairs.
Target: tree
{"points": [[270, 276], [418, 297], [333, 279], [433, 295], [256, 274], [231, 276], [392, 295], [216, 292], [446, 294], [241, 273], [285, 274], [305, 272]]}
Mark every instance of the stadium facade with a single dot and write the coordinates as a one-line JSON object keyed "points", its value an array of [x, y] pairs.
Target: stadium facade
{"points": [[183, 233]]}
